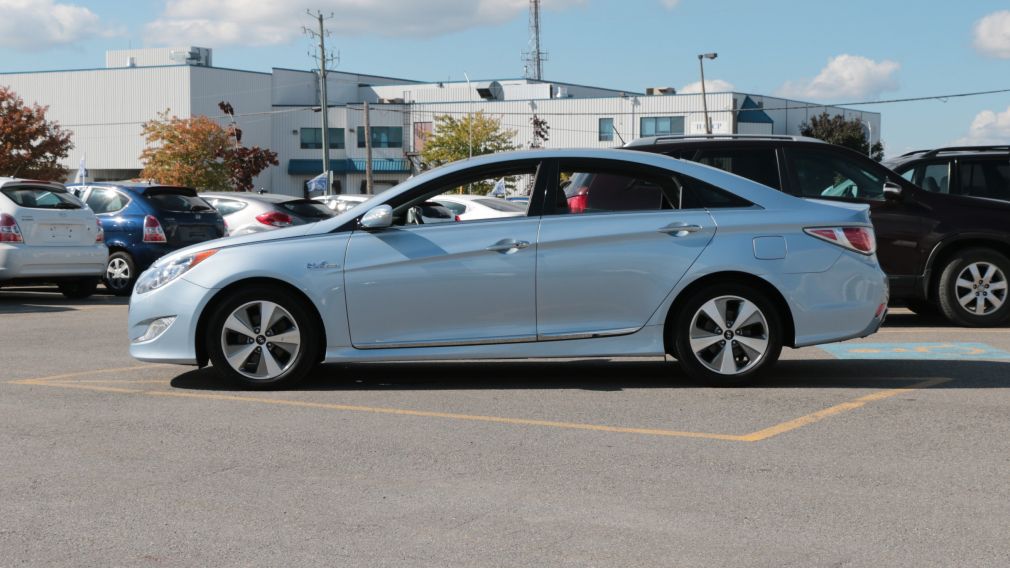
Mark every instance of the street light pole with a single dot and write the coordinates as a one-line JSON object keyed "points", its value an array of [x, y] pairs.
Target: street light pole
{"points": [[704, 97], [469, 116]]}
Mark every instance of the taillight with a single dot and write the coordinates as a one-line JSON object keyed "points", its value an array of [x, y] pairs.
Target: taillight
{"points": [[859, 239], [9, 230], [100, 238], [226, 229], [578, 202], [456, 218], [153, 233], [274, 219]]}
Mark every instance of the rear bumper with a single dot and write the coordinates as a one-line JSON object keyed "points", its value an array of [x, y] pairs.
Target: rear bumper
{"points": [[19, 261]]}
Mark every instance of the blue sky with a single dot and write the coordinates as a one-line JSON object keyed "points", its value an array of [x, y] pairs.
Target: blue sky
{"points": [[828, 52]]}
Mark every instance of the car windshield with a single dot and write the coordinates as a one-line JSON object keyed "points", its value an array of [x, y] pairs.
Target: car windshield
{"points": [[308, 209], [41, 197], [177, 200]]}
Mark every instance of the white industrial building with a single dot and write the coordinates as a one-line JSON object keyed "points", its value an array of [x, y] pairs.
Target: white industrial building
{"points": [[106, 108]]}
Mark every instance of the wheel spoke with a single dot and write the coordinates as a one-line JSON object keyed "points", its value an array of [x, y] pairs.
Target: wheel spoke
{"points": [[239, 357], [746, 313], [996, 301], [989, 271], [962, 283], [756, 344], [267, 360], [725, 361], [967, 298], [980, 305], [997, 286], [233, 323], [291, 337], [267, 311], [699, 344], [713, 311], [973, 268]]}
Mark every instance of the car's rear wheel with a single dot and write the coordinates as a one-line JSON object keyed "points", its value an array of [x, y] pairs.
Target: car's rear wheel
{"points": [[78, 289], [120, 273], [263, 338], [727, 334], [973, 288]]}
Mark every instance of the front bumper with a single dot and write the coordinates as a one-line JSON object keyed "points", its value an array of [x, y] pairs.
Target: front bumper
{"points": [[180, 299]]}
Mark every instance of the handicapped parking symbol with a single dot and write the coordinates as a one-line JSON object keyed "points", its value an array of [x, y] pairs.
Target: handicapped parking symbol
{"points": [[916, 351]]}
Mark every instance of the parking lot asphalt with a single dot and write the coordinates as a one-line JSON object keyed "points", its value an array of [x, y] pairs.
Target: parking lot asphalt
{"points": [[888, 451]]}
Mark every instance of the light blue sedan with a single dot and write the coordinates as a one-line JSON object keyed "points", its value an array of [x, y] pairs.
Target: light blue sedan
{"points": [[620, 253]]}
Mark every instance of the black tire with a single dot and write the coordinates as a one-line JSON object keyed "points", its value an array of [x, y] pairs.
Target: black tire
{"points": [[295, 363], [951, 292], [120, 273], [78, 289], [770, 331]]}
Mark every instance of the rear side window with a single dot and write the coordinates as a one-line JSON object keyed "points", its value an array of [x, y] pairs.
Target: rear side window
{"points": [[985, 178], [227, 206], [103, 200], [933, 177], [756, 164], [176, 200], [308, 209], [41, 197]]}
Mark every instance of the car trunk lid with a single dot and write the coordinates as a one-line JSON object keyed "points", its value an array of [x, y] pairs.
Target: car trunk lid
{"points": [[48, 215]]}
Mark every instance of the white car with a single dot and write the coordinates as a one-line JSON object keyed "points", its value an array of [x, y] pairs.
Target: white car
{"points": [[473, 207], [342, 202], [48, 235]]}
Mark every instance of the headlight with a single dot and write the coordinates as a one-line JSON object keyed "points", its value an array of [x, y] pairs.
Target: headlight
{"points": [[160, 274]]}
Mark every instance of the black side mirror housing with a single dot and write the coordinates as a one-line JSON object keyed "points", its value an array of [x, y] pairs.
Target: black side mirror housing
{"points": [[892, 191]]}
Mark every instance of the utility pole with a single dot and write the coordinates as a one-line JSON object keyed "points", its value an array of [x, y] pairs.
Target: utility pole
{"points": [[368, 153], [324, 102]]}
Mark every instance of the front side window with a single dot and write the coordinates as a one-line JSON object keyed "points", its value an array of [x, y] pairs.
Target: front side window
{"points": [[382, 136], [104, 200], [985, 178], [934, 177], [312, 138], [819, 173], [662, 125], [606, 133], [757, 164]]}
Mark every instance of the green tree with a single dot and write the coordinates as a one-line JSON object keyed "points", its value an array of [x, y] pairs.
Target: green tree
{"points": [[30, 145], [451, 139], [198, 152], [837, 130]]}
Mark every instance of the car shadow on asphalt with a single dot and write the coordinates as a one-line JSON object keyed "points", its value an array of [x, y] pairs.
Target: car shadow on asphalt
{"points": [[616, 375], [43, 300]]}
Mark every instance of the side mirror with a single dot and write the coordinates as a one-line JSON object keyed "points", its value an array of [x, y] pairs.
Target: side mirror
{"points": [[379, 217], [892, 191]]}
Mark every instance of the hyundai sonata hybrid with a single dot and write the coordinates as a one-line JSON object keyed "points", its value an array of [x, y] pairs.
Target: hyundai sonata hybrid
{"points": [[668, 258]]}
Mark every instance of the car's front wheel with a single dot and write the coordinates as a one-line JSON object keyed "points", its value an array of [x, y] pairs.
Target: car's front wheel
{"points": [[973, 288], [727, 334], [263, 338], [120, 273]]}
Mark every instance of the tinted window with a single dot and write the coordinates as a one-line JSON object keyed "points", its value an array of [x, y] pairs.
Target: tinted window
{"points": [[312, 138], [308, 209], [985, 178], [104, 200], [757, 164], [933, 177], [659, 125], [382, 137], [819, 173], [40, 197], [176, 200]]}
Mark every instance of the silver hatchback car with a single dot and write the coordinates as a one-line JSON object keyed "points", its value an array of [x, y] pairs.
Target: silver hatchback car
{"points": [[673, 258], [246, 213]]}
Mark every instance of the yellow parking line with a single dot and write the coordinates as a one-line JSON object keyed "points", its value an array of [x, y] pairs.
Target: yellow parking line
{"points": [[802, 421], [64, 381]]}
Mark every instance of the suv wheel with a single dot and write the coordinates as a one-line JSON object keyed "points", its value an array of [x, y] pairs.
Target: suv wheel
{"points": [[973, 288], [263, 338], [120, 274], [727, 334]]}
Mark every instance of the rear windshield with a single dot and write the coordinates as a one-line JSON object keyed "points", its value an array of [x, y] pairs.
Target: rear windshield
{"points": [[176, 199], [41, 197], [501, 205], [308, 209]]}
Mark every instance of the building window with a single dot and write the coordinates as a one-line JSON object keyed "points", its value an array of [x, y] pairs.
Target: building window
{"points": [[606, 130], [382, 137], [312, 139], [661, 125]]}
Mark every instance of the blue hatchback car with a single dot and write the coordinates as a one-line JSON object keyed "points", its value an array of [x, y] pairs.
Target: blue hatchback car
{"points": [[145, 221]]}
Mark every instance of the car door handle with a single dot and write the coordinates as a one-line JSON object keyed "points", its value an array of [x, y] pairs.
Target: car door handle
{"points": [[506, 245], [680, 229]]}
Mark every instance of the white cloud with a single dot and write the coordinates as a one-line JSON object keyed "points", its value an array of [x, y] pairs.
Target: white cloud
{"points": [[255, 22], [711, 86], [845, 77], [31, 25], [992, 35], [988, 127], [669, 4]]}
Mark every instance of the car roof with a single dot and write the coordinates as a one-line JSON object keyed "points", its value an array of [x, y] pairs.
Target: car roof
{"points": [[695, 138], [13, 180], [133, 186], [997, 150]]}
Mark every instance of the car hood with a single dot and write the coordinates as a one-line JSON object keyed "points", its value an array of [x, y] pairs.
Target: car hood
{"points": [[228, 242]]}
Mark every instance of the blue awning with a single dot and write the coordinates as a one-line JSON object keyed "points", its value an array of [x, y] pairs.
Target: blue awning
{"points": [[304, 167]]}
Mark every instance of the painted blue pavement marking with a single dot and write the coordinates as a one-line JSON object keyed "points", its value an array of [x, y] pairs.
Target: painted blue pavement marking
{"points": [[918, 351]]}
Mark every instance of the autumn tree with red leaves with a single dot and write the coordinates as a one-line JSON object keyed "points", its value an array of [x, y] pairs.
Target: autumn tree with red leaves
{"points": [[198, 152], [30, 145]]}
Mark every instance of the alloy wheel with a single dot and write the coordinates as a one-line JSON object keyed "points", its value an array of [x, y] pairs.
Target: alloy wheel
{"points": [[117, 274], [260, 340], [981, 288], [729, 335]]}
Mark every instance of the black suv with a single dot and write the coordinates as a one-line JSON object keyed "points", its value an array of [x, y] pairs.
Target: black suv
{"points": [[975, 171], [941, 250]]}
